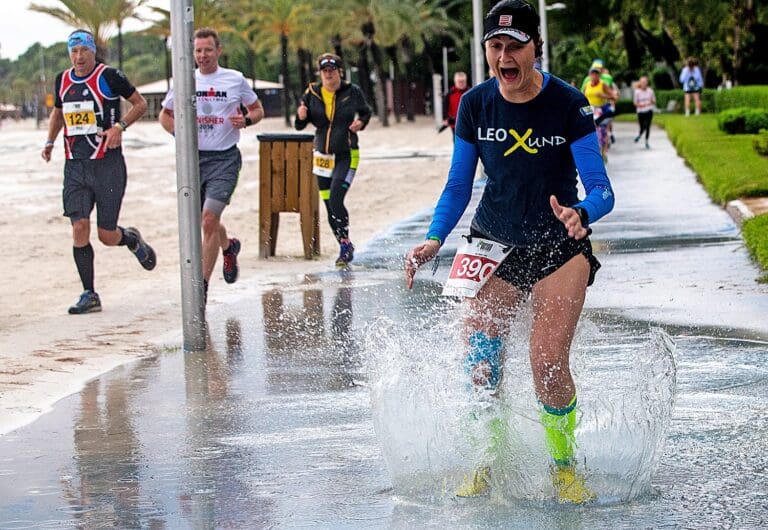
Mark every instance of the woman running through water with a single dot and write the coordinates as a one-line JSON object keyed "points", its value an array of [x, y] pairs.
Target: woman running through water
{"points": [[530, 208]]}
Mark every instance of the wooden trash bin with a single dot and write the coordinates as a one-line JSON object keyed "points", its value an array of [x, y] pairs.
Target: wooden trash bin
{"points": [[286, 184]]}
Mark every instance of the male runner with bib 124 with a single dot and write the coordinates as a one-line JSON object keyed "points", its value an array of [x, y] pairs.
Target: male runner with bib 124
{"points": [[532, 131], [87, 107]]}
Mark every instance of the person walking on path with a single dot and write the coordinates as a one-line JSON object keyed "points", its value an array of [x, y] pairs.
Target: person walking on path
{"points": [[338, 110], [530, 212], [645, 101], [220, 94], [87, 107], [693, 83], [452, 99]]}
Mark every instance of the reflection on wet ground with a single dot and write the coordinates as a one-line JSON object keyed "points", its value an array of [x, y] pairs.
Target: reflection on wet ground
{"points": [[273, 424]]}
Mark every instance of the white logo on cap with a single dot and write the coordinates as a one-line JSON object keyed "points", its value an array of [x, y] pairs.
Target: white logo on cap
{"points": [[505, 20]]}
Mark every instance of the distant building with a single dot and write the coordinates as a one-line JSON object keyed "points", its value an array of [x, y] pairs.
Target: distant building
{"points": [[270, 95], [7, 110]]}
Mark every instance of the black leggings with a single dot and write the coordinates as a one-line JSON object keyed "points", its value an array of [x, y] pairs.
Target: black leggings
{"points": [[644, 119], [333, 189]]}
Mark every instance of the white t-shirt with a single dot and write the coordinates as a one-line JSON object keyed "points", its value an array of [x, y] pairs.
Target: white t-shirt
{"points": [[644, 99], [219, 96]]}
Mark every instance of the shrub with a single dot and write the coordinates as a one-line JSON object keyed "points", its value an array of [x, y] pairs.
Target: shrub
{"points": [[760, 142], [664, 96], [755, 96], [742, 120]]}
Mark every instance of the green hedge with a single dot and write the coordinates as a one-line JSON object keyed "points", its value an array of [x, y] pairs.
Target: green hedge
{"points": [[712, 100], [754, 96], [707, 100], [742, 120]]}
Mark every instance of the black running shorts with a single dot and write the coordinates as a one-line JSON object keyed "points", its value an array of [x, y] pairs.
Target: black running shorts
{"points": [[524, 266], [100, 182]]}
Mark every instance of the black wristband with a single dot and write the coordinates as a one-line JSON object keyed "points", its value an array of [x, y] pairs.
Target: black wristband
{"points": [[583, 215], [248, 121]]}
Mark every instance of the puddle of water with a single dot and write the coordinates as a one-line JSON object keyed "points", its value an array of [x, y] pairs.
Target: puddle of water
{"points": [[273, 426]]}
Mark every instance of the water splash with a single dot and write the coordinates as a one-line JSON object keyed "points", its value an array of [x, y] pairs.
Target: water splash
{"points": [[433, 431]]}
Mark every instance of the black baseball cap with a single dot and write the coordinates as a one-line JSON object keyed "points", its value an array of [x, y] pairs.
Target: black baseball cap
{"points": [[515, 18], [329, 62]]}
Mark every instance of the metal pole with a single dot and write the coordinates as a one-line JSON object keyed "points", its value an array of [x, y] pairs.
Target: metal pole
{"points": [[544, 36], [437, 100], [478, 59], [187, 175], [445, 69]]}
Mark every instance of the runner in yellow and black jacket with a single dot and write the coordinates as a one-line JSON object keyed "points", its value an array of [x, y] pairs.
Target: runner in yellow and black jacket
{"points": [[338, 110]]}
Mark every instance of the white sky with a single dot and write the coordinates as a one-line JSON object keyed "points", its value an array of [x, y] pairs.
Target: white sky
{"points": [[20, 28]]}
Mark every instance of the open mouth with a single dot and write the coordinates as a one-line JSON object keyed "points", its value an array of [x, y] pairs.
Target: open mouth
{"points": [[509, 74]]}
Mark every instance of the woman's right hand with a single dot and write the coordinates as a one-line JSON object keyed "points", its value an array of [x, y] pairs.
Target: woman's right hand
{"points": [[417, 256], [301, 113]]}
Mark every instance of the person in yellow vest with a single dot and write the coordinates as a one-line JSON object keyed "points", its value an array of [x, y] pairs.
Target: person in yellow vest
{"points": [[601, 97], [338, 110]]}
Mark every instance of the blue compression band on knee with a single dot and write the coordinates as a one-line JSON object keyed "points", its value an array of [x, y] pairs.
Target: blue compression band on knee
{"points": [[483, 348]]}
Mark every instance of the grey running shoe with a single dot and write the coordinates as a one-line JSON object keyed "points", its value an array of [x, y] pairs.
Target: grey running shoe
{"points": [[88, 303], [142, 251]]}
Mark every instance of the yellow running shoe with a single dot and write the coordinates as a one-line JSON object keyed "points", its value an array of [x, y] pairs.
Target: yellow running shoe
{"points": [[570, 485], [476, 484]]}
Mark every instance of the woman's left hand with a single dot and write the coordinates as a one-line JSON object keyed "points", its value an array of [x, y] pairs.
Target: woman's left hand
{"points": [[356, 126], [570, 218]]}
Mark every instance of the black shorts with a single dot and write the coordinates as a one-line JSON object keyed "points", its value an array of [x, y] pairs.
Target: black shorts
{"points": [[100, 182], [525, 266], [219, 171]]}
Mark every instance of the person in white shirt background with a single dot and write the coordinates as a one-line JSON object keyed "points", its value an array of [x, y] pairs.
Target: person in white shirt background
{"points": [[220, 94], [645, 101]]}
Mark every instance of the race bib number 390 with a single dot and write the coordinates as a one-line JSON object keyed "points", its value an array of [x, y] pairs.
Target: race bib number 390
{"points": [[475, 262], [79, 118]]}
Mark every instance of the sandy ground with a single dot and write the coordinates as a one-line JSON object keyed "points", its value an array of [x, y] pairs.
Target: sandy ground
{"points": [[46, 354]]}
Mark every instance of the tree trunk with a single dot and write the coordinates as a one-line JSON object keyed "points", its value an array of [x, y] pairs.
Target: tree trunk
{"points": [[396, 81], [407, 47], [305, 67], [381, 79], [364, 73], [286, 83], [120, 47]]}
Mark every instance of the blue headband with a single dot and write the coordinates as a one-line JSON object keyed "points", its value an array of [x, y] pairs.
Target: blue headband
{"points": [[81, 38]]}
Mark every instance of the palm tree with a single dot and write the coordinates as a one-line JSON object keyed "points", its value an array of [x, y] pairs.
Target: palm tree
{"points": [[119, 11], [85, 14], [273, 22]]}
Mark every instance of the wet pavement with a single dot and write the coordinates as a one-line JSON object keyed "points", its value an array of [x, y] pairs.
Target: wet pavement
{"points": [[331, 402]]}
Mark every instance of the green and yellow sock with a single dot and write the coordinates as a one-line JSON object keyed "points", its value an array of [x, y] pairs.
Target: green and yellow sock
{"points": [[559, 426]]}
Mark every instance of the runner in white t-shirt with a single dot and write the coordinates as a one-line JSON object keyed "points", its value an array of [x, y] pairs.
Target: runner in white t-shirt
{"points": [[645, 101], [221, 93]]}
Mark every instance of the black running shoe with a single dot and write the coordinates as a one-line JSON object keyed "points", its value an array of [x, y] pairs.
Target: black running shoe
{"points": [[142, 251], [88, 303], [346, 253], [231, 270]]}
